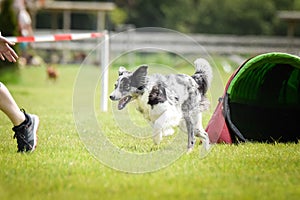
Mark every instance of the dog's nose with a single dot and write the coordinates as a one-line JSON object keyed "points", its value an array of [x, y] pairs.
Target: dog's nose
{"points": [[112, 97]]}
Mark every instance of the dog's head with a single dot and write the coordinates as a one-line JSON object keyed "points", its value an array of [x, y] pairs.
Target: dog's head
{"points": [[129, 85]]}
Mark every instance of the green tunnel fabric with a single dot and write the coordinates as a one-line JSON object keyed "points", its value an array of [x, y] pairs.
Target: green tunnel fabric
{"points": [[269, 79]]}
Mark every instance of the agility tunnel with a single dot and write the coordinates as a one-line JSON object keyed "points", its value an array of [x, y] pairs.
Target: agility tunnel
{"points": [[261, 102]]}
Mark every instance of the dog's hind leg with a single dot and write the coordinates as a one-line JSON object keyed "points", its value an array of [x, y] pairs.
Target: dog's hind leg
{"points": [[200, 132], [191, 134], [187, 110]]}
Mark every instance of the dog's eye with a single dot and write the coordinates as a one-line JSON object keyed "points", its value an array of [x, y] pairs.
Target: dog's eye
{"points": [[126, 86], [141, 87]]}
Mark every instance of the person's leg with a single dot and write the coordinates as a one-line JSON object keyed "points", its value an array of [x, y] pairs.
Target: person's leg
{"points": [[10, 107], [25, 125]]}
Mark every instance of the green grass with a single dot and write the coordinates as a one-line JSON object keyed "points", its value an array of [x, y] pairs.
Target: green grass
{"points": [[62, 168]]}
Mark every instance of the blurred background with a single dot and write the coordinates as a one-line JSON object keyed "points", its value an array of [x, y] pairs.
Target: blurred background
{"points": [[229, 27]]}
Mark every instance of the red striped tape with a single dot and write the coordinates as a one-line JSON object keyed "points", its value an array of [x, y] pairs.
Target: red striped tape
{"points": [[55, 37], [25, 39]]}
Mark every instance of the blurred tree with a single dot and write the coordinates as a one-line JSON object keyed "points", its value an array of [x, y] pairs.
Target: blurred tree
{"points": [[237, 17], [209, 16], [225, 17], [296, 5], [181, 15], [8, 27], [240, 17], [118, 16], [143, 12]]}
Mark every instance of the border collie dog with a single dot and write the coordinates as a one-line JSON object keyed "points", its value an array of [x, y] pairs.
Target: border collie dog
{"points": [[168, 101]]}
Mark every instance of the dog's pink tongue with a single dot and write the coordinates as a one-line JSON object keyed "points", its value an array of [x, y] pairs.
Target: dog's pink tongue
{"points": [[123, 102]]}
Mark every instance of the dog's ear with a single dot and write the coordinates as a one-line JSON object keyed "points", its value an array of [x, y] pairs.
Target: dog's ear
{"points": [[139, 76], [122, 70]]}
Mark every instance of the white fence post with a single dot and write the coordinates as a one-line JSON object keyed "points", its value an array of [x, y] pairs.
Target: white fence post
{"points": [[104, 62]]}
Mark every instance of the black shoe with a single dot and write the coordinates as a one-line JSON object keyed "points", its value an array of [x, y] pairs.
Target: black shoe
{"points": [[26, 133]]}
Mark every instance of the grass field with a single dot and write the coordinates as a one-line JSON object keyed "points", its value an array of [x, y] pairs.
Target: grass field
{"points": [[62, 168]]}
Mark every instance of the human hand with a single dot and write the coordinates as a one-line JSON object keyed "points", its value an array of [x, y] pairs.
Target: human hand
{"points": [[6, 51]]}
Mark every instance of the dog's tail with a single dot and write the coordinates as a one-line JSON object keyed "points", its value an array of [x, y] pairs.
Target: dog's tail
{"points": [[203, 74]]}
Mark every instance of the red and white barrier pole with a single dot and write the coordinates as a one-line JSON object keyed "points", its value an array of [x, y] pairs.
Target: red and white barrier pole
{"points": [[55, 37]]}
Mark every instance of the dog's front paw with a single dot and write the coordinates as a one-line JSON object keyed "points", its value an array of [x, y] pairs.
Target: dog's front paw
{"points": [[189, 150], [157, 138], [169, 131]]}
